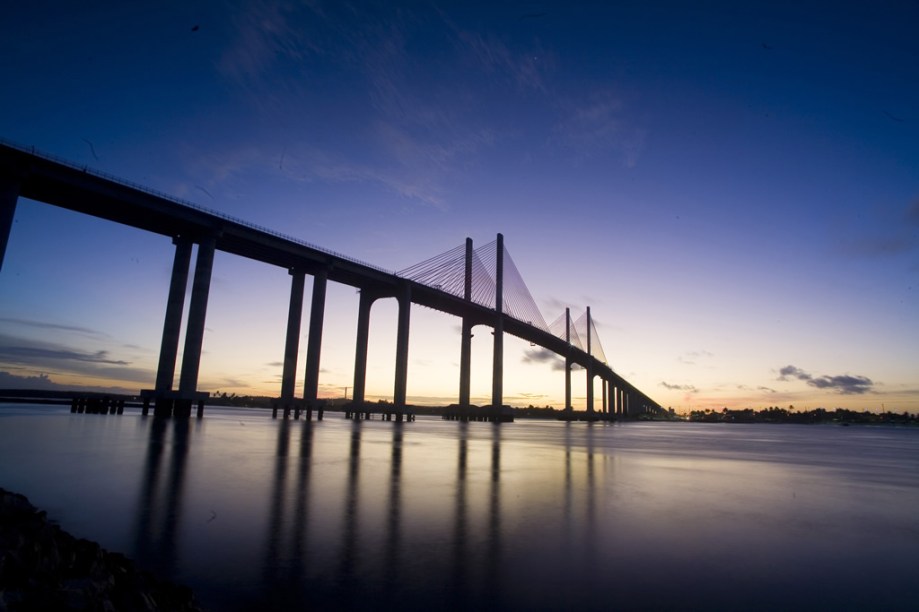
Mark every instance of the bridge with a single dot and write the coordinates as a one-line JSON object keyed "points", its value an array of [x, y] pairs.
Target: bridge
{"points": [[481, 286]]}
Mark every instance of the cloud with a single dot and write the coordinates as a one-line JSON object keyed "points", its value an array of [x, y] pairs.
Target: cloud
{"points": [[543, 355], [265, 36], [526, 396], [791, 371], [673, 387], [52, 326], [50, 356], [845, 384], [524, 70], [36, 354]]}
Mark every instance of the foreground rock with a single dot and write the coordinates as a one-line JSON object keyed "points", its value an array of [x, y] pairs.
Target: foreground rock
{"points": [[44, 568]]}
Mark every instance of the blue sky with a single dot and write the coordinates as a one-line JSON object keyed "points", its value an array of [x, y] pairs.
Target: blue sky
{"points": [[733, 188]]}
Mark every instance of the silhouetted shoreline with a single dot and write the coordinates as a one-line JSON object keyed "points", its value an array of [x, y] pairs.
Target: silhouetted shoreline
{"points": [[773, 414]]}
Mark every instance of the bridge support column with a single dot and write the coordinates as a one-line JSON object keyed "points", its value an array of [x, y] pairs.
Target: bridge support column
{"points": [[497, 379], [169, 346], [568, 365], [590, 372], [466, 338], [568, 406], [314, 348], [197, 313], [605, 407], [360, 353], [401, 382], [589, 406], [9, 195], [172, 327], [292, 342]]}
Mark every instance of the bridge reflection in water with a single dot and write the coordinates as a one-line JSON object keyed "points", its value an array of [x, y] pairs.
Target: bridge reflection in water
{"points": [[351, 514], [259, 514]]}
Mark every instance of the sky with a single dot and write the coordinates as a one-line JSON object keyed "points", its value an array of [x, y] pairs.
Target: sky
{"points": [[732, 188]]}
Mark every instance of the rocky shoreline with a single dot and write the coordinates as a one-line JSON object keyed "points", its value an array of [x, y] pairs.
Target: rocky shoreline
{"points": [[43, 567]]}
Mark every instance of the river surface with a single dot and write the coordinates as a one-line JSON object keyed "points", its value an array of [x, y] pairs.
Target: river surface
{"points": [[255, 513]]}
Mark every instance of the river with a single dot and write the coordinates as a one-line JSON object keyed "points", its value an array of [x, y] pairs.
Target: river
{"points": [[255, 513]]}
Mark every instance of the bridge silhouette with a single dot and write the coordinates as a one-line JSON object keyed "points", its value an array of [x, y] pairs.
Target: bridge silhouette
{"points": [[481, 286]]}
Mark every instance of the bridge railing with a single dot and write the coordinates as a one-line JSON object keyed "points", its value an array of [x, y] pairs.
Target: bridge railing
{"points": [[185, 203]]}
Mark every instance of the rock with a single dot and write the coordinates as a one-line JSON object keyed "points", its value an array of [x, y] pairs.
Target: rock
{"points": [[43, 567]]}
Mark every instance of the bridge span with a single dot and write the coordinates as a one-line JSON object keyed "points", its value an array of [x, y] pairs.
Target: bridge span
{"points": [[39, 177]]}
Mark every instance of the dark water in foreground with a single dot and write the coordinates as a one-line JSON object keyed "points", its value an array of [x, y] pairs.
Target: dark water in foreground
{"points": [[254, 513]]}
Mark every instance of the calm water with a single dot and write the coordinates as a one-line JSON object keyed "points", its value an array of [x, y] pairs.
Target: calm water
{"points": [[252, 512]]}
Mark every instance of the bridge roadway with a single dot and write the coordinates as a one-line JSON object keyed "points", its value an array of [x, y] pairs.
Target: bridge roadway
{"points": [[59, 183]]}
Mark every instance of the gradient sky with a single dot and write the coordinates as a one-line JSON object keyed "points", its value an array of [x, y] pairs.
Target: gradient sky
{"points": [[732, 187]]}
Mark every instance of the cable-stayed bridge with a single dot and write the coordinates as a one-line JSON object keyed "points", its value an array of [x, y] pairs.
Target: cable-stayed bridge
{"points": [[481, 286]]}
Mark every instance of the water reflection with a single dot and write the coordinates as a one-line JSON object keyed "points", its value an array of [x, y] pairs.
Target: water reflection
{"points": [[493, 576], [159, 504], [394, 523], [285, 538], [351, 516], [360, 514], [459, 571]]}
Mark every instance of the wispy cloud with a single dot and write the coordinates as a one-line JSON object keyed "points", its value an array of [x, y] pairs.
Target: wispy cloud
{"points": [[522, 68], [18, 353], [597, 125], [264, 37], [52, 326], [49, 356], [676, 387], [845, 384]]}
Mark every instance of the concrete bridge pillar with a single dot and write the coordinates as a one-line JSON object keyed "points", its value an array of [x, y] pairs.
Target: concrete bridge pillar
{"points": [[590, 371], [497, 380], [603, 384], [401, 383], [360, 353], [197, 313], [292, 342], [466, 339], [568, 365], [314, 348], [568, 359], [175, 302], [9, 195]]}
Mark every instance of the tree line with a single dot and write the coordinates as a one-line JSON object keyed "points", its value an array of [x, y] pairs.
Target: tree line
{"points": [[775, 414]]}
